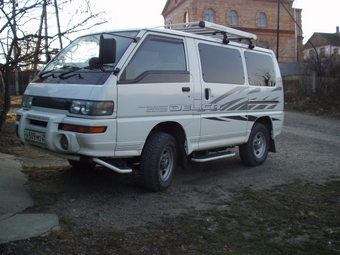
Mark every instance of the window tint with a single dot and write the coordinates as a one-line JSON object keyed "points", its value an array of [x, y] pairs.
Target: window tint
{"points": [[260, 68], [158, 54], [221, 64]]}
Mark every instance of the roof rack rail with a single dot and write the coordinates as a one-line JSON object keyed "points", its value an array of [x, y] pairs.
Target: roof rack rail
{"points": [[214, 30]]}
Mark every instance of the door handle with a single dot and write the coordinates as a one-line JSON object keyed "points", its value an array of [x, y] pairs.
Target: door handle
{"points": [[185, 89], [207, 93]]}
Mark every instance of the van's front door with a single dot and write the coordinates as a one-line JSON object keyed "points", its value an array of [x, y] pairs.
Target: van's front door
{"points": [[154, 87], [224, 96]]}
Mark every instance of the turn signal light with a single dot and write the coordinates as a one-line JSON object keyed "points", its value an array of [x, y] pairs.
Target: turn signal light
{"points": [[83, 129]]}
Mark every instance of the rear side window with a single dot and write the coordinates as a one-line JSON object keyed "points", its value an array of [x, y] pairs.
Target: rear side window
{"points": [[261, 71], [221, 64], [156, 55]]}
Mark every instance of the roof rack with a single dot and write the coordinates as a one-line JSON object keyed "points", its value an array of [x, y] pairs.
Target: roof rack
{"points": [[214, 30]]}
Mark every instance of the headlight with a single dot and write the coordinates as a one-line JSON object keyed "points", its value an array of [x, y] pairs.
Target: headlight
{"points": [[92, 107], [27, 101]]}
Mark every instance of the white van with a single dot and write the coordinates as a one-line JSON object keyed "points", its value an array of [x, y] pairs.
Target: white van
{"points": [[154, 99]]}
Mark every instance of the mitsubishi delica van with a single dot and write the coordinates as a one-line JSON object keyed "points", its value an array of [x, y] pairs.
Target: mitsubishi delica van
{"points": [[152, 99]]}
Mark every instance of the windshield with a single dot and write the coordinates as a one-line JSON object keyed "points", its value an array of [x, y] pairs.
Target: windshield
{"points": [[77, 55]]}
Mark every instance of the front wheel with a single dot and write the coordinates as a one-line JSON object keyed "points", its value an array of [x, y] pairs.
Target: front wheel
{"points": [[255, 151], [158, 162]]}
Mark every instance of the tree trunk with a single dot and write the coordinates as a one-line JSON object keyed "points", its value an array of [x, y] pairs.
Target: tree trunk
{"points": [[38, 45], [58, 23], [5, 78], [46, 32], [15, 51]]}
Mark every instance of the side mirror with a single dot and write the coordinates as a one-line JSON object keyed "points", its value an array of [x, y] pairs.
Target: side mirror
{"points": [[107, 51]]}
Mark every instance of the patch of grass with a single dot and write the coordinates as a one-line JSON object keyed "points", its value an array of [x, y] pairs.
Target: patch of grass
{"points": [[42, 200], [290, 219]]}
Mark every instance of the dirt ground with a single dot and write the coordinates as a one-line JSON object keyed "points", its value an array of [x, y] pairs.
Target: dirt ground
{"points": [[10, 144], [101, 200]]}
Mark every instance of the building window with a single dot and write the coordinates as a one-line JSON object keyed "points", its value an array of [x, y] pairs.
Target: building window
{"points": [[262, 20], [264, 45], [322, 52], [336, 51], [312, 54], [210, 15], [233, 18], [186, 17]]}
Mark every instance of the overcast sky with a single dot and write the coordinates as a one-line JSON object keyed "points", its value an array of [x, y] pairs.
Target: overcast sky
{"points": [[317, 16]]}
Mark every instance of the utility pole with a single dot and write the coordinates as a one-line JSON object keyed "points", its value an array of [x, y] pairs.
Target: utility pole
{"points": [[278, 30], [15, 48]]}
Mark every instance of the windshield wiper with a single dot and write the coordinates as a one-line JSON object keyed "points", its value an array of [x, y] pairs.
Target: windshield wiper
{"points": [[49, 73], [73, 69], [75, 74]]}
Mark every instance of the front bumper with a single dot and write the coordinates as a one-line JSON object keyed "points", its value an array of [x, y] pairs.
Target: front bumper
{"points": [[45, 133]]}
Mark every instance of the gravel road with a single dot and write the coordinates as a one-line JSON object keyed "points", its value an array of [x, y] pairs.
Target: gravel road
{"points": [[308, 150]]}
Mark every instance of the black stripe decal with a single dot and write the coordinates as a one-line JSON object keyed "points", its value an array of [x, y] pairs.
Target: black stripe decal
{"points": [[264, 101], [227, 118], [214, 119]]}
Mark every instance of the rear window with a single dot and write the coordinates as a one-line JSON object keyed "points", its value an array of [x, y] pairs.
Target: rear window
{"points": [[260, 67]]}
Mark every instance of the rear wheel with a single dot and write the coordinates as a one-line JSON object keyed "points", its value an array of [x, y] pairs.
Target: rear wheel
{"points": [[158, 162], [255, 151], [81, 165]]}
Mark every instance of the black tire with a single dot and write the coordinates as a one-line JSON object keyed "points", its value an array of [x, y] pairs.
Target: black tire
{"points": [[255, 151], [158, 162], [80, 165]]}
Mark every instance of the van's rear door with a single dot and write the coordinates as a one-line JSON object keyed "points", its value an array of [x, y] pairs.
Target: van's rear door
{"points": [[224, 95]]}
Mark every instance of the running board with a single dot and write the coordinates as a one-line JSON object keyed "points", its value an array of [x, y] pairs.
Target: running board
{"points": [[213, 156], [121, 170]]}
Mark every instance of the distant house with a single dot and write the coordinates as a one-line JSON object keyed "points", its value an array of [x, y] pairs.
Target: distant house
{"points": [[259, 17], [326, 45]]}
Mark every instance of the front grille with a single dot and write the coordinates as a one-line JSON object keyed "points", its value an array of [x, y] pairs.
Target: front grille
{"points": [[39, 123], [53, 103]]}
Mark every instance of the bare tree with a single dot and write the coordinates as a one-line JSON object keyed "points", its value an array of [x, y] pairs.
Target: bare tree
{"points": [[324, 66], [29, 28]]}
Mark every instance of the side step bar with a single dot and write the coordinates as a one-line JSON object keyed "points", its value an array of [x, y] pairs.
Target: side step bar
{"points": [[213, 156], [121, 170]]}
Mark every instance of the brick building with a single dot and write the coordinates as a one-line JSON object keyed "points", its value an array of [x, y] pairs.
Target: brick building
{"points": [[255, 16]]}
